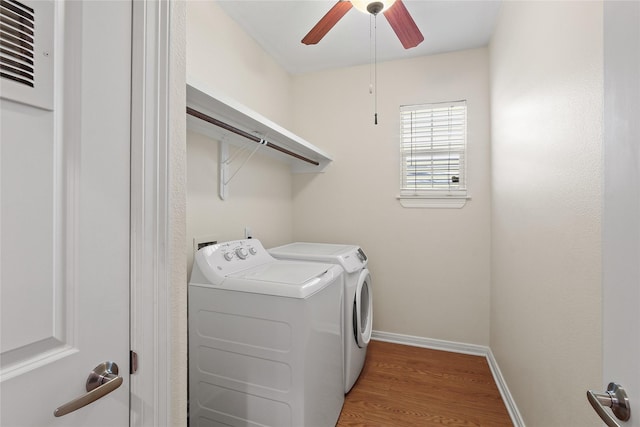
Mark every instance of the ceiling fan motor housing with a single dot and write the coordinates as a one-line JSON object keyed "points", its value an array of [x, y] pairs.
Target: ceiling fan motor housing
{"points": [[375, 7]]}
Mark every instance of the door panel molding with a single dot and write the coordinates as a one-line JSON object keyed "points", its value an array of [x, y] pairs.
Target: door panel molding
{"points": [[39, 155]]}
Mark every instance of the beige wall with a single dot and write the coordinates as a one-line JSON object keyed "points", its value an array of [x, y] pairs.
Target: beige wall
{"points": [[222, 56], [546, 97], [430, 267], [259, 197]]}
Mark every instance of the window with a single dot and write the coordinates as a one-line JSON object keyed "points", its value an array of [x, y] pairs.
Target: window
{"points": [[432, 154]]}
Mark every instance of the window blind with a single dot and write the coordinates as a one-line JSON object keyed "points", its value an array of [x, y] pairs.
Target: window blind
{"points": [[433, 144]]}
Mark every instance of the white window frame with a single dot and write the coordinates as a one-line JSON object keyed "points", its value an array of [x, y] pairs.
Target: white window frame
{"points": [[433, 155]]}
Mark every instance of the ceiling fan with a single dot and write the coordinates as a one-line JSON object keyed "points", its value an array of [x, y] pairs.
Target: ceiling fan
{"points": [[395, 11]]}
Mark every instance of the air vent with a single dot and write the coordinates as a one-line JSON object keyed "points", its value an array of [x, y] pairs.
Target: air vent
{"points": [[17, 42], [27, 57]]}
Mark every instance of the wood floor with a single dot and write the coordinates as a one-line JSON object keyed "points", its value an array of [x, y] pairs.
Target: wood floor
{"points": [[412, 386]]}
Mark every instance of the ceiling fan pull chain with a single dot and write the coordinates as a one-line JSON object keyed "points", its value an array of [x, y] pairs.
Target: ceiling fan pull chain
{"points": [[373, 63], [371, 54], [375, 71]]}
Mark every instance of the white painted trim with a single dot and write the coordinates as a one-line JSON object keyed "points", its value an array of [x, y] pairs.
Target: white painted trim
{"points": [[434, 344], [464, 348], [454, 202], [150, 268], [504, 390]]}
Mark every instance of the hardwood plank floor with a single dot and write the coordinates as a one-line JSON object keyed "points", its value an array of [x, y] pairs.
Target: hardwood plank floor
{"points": [[411, 386]]}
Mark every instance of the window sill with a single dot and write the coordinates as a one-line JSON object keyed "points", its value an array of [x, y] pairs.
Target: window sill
{"points": [[436, 202]]}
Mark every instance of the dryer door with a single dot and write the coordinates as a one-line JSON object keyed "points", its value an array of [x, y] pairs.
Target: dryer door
{"points": [[363, 310]]}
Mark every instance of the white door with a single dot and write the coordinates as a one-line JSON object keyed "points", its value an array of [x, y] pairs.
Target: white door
{"points": [[65, 184], [621, 208]]}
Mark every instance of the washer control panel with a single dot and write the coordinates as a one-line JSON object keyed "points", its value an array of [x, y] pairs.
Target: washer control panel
{"points": [[227, 258], [241, 250], [352, 261]]}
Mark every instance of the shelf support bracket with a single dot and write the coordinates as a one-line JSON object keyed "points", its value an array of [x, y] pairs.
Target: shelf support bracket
{"points": [[224, 174]]}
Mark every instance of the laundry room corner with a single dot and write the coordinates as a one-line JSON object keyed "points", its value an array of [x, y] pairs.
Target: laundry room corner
{"points": [[430, 267]]}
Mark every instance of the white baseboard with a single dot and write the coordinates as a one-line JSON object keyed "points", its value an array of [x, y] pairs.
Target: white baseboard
{"points": [[516, 418], [457, 347]]}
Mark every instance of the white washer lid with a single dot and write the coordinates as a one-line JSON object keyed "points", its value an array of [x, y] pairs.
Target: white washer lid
{"points": [[284, 272], [292, 279], [303, 248]]}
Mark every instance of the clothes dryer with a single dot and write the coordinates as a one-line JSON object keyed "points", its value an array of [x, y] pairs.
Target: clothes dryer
{"points": [[265, 339], [358, 297]]}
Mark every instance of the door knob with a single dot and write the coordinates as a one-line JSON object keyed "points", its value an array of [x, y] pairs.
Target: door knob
{"points": [[615, 398], [102, 381]]}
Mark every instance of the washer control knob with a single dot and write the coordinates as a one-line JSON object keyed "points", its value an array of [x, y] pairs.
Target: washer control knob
{"points": [[228, 256], [252, 250], [242, 253]]}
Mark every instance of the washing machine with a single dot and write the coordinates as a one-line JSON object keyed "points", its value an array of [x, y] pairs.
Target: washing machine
{"points": [[265, 339], [358, 303]]}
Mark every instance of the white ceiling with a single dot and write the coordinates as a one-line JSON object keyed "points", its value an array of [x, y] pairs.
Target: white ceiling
{"points": [[279, 25]]}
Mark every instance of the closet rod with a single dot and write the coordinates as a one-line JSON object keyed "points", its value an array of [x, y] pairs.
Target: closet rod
{"points": [[208, 119]]}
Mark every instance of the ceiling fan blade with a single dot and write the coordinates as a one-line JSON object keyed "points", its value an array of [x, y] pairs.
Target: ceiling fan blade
{"points": [[403, 25], [327, 22]]}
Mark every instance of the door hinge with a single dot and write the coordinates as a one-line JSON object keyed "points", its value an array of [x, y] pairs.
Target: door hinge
{"points": [[133, 362]]}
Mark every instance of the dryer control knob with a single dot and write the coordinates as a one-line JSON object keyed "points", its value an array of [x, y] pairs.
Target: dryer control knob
{"points": [[252, 250], [242, 253], [228, 256]]}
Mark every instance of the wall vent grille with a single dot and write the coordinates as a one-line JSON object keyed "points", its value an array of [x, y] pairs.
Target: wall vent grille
{"points": [[17, 34]]}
